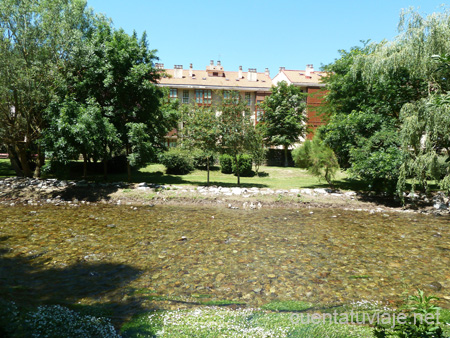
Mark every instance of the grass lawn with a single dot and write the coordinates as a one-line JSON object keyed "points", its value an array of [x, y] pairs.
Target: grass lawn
{"points": [[5, 168], [270, 177]]}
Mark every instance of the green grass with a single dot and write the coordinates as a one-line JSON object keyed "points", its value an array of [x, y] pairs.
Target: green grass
{"points": [[288, 305], [5, 168], [219, 322], [270, 177]]}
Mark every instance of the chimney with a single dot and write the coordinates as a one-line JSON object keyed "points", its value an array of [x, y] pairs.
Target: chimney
{"points": [[159, 65], [240, 72], [309, 70], [219, 63], [178, 72], [190, 70], [211, 63], [267, 73], [282, 69], [252, 75]]}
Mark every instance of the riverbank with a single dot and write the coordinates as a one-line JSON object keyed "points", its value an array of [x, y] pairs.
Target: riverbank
{"points": [[16, 190]]}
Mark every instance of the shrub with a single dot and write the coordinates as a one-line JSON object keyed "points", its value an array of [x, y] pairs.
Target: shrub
{"points": [[245, 166], [200, 157], [59, 321], [226, 164], [177, 161], [421, 320], [301, 155], [318, 158]]}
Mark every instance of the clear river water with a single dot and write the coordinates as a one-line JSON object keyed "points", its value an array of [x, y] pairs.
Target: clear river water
{"points": [[176, 256]]}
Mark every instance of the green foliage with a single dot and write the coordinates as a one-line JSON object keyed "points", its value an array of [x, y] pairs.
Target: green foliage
{"points": [[51, 321], [201, 158], [245, 165], [302, 155], [377, 160], [257, 150], [236, 129], [287, 305], [36, 40], [318, 157], [422, 320], [284, 116], [201, 130], [349, 130], [424, 137], [226, 164], [177, 161]]}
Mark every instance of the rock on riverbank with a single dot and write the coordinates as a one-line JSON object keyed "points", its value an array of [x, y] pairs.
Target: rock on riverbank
{"points": [[36, 191]]}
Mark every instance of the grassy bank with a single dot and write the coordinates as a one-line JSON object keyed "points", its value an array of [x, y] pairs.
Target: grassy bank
{"points": [[270, 177]]}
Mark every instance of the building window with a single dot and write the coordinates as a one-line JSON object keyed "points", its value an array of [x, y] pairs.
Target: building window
{"points": [[185, 96], [203, 96], [173, 95], [231, 95], [248, 99], [259, 111]]}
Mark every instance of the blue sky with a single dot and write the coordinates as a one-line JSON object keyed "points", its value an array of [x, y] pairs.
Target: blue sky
{"points": [[258, 34]]}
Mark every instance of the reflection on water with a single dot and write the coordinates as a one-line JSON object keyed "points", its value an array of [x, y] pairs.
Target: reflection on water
{"points": [[104, 253]]}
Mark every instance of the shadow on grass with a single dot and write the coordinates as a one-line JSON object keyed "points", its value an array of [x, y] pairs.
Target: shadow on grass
{"points": [[28, 281], [5, 169], [161, 178]]}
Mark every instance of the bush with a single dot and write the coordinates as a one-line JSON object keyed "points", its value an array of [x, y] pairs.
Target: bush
{"points": [[200, 157], [226, 164], [177, 161], [245, 166], [302, 154], [318, 158]]}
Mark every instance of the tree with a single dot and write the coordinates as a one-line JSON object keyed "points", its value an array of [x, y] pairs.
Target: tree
{"points": [[201, 131], [368, 88], [115, 71], [284, 116], [76, 129], [318, 158], [257, 150], [426, 143], [35, 41], [236, 128]]}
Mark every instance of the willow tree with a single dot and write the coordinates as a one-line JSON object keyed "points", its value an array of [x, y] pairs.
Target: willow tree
{"points": [[397, 81]]}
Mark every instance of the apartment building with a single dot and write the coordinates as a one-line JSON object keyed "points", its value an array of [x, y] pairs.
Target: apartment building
{"points": [[208, 86], [310, 81]]}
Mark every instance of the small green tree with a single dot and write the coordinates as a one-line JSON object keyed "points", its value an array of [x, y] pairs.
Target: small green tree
{"points": [[284, 116], [201, 131], [319, 158], [236, 128], [257, 150]]}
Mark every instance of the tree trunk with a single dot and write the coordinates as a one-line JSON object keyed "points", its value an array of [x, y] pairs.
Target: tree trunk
{"points": [[128, 164], [237, 170], [207, 169], [286, 162], [24, 161], [84, 165], [14, 162], [40, 162]]}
